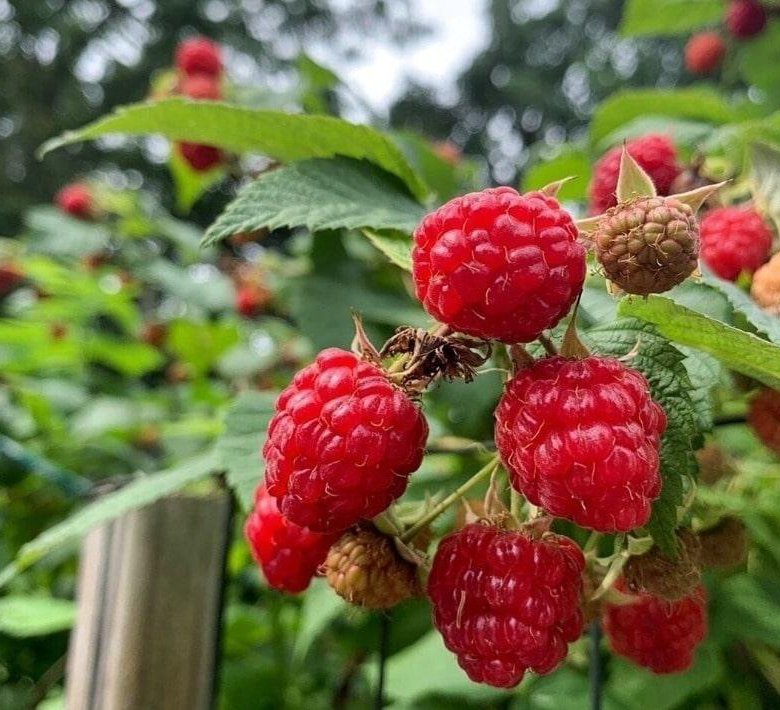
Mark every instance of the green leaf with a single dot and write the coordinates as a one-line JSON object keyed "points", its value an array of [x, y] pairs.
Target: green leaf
{"points": [[321, 307], [61, 235], [137, 494], [762, 321], [624, 106], [570, 163], [133, 359], [748, 610], [681, 131], [397, 249], [282, 136], [201, 345], [735, 348], [705, 373], [202, 287], [441, 176], [319, 194], [239, 448], [663, 365], [765, 178], [758, 61], [428, 668], [632, 686], [668, 17], [321, 606], [23, 616]]}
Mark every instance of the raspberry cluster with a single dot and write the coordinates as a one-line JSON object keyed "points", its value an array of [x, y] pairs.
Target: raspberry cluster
{"points": [[342, 443], [657, 634], [581, 439], [506, 602], [656, 155], [733, 240], [499, 265], [288, 554]]}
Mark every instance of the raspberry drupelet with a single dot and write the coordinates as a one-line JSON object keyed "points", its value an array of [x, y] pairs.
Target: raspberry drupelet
{"points": [[342, 443]]}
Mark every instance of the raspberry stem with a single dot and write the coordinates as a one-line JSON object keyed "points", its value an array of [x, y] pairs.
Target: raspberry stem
{"points": [[483, 473], [548, 345]]}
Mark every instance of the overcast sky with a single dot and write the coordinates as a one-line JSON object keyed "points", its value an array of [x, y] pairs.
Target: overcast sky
{"points": [[459, 30]]}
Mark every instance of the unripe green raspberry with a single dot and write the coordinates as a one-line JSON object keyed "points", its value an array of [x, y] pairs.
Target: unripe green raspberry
{"points": [[648, 244]]}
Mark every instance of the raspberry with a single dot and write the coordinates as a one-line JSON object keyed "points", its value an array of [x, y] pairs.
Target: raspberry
{"points": [[666, 577], [765, 288], [11, 278], [249, 301], [200, 157], [154, 334], [581, 438], [499, 265], [655, 633], [714, 464], [506, 602], [733, 240], [76, 200], [201, 86], [648, 245], [365, 568], [725, 545], [704, 53], [448, 151], [655, 154], [288, 554], [199, 55], [342, 443], [764, 417], [745, 18]]}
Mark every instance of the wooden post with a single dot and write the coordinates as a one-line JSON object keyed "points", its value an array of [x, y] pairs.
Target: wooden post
{"points": [[149, 602]]}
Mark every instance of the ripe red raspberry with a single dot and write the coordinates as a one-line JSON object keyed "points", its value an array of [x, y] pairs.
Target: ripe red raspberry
{"points": [[506, 602], [288, 554], [704, 53], [76, 200], [342, 443], [733, 240], [199, 55], [200, 157], [580, 438], [745, 18], [655, 633], [201, 86], [499, 265], [655, 154], [764, 417], [250, 300]]}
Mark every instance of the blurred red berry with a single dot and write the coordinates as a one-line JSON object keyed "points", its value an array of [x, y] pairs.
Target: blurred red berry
{"points": [[655, 633], [745, 18], [655, 153], [506, 602], [250, 301], [498, 265], [581, 439], [448, 151], [288, 554], [199, 55], [200, 157], [342, 443], [704, 53], [764, 418], [733, 240], [76, 200], [154, 333], [201, 86], [11, 277]]}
